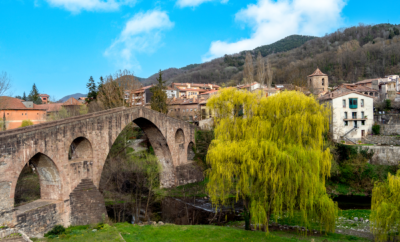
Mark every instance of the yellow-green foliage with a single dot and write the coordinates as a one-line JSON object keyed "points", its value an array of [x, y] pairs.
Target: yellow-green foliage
{"points": [[27, 122], [272, 155], [385, 208]]}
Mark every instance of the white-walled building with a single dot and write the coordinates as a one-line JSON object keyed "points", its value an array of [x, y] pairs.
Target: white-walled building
{"points": [[172, 93], [352, 115]]}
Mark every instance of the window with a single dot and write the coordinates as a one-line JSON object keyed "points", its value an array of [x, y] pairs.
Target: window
{"points": [[195, 109], [323, 81], [344, 103], [362, 114], [355, 124], [363, 122], [362, 102], [183, 110], [345, 115], [353, 102], [310, 82], [191, 110], [346, 123], [187, 110], [354, 115]]}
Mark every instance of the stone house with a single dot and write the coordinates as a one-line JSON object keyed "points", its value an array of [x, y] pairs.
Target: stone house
{"points": [[185, 109], [352, 115]]}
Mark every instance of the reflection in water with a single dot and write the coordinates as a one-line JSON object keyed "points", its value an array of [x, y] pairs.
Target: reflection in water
{"points": [[353, 202]]}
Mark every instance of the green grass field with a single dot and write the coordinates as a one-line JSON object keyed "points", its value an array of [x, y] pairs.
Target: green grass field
{"points": [[184, 233]]}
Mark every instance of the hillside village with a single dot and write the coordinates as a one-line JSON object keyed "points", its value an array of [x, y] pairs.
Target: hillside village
{"points": [[352, 103]]}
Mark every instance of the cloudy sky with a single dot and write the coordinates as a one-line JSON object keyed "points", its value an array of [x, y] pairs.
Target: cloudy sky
{"points": [[59, 44]]}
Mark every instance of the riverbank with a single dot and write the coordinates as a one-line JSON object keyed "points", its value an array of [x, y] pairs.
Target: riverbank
{"points": [[174, 233]]}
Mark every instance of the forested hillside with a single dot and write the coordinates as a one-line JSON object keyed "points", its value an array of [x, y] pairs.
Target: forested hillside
{"points": [[347, 55], [223, 70]]}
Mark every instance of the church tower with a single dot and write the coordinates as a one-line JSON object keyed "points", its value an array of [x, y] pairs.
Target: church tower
{"points": [[317, 82]]}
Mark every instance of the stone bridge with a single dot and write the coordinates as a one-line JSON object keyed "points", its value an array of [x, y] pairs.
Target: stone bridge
{"points": [[69, 184]]}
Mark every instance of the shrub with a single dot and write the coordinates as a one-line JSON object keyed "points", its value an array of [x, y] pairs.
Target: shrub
{"points": [[388, 104], [26, 123], [376, 129], [57, 230]]}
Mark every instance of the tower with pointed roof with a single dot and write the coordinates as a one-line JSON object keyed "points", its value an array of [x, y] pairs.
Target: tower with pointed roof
{"points": [[318, 82]]}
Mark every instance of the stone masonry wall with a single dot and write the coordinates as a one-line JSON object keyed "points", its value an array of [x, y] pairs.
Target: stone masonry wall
{"points": [[38, 221], [390, 129], [87, 204], [384, 155], [382, 140]]}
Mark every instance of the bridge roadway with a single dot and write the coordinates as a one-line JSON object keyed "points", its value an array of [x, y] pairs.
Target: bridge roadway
{"points": [[69, 185]]}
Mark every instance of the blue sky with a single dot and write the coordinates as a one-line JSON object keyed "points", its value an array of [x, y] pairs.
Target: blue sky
{"points": [[59, 44]]}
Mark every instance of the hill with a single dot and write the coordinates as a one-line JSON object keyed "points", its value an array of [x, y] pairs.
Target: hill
{"points": [[346, 55], [222, 70], [76, 96]]}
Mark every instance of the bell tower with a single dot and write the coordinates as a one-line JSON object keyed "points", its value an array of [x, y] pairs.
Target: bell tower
{"points": [[318, 82]]}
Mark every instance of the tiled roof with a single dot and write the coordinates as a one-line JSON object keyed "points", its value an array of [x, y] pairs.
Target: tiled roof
{"points": [[51, 107], [11, 103], [190, 89], [196, 84], [208, 92], [358, 88], [368, 80], [333, 95], [71, 102], [43, 95], [318, 72]]}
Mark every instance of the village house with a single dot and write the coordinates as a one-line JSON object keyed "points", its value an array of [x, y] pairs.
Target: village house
{"points": [[45, 98], [352, 115], [13, 111], [139, 97], [347, 87]]}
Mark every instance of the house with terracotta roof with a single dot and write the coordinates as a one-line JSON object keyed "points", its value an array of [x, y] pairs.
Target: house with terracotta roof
{"points": [[347, 87], [13, 111], [352, 115], [45, 98], [140, 97], [318, 82], [203, 86]]}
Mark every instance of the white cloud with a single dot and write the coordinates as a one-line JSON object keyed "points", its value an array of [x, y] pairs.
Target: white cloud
{"points": [[141, 34], [194, 3], [274, 20], [90, 5]]}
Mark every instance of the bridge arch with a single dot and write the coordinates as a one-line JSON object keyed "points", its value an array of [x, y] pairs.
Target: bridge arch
{"points": [[80, 149], [49, 177], [161, 150]]}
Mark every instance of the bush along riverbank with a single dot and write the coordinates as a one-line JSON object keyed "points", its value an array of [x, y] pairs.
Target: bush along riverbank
{"points": [[351, 172]]}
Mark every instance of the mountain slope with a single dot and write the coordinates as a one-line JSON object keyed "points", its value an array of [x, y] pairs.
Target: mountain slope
{"points": [[224, 69]]}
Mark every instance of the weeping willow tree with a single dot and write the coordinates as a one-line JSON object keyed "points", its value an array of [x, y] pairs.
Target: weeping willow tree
{"points": [[269, 153], [385, 208]]}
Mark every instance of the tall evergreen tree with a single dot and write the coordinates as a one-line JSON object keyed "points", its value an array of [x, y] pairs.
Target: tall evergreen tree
{"points": [[158, 101], [24, 97], [92, 94], [34, 95]]}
